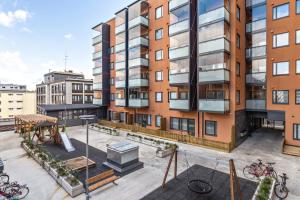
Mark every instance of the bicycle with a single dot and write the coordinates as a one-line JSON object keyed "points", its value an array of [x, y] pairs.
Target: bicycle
{"points": [[255, 170], [269, 171], [281, 191], [14, 190], [4, 179]]}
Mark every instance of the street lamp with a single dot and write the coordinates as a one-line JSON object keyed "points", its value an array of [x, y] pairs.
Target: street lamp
{"points": [[87, 118]]}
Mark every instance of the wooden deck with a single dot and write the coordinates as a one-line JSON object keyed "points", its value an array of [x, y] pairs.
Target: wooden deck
{"points": [[78, 163]]}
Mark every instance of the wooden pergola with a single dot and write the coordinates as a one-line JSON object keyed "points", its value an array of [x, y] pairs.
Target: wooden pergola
{"points": [[25, 124]]}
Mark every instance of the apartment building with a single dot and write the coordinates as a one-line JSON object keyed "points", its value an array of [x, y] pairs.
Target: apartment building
{"points": [[16, 100], [211, 69]]}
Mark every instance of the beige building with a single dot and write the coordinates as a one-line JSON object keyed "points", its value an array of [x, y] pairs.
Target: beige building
{"points": [[16, 100]]}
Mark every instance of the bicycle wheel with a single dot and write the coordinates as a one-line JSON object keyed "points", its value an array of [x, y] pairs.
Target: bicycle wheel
{"points": [[281, 192], [249, 172], [4, 179], [22, 192]]}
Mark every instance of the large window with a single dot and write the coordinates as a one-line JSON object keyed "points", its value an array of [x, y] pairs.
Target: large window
{"points": [[179, 14], [209, 5], [258, 12], [280, 96], [157, 120], [158, 96], [298, 67], [159, 76], [296, 131], [211, 128], [158, 34], [281, 11], [143, 119], [238, 13], [180, 40], [298, 37], [298, 6], [179, 66], [159, 55], [281, 68], [183, 125], [281, 40], [258, 39], [238, 97], [297, 97], [159, 12], [238, 41], [214, 31]]}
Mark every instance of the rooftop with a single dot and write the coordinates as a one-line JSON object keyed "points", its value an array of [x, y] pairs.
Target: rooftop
{"points": [[67, 107]]}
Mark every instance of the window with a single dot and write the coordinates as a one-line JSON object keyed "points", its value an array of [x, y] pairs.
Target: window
{"points": [[158, 96], [298, 37], [159, 55], [183, 124], [211, 128], [174, 123], [280, 68], [112, 65], [281, 11], [159, 34], [298, 66], [238, 41], [112, 50], [296, 131], [143, 119], [238, 97], [159, 12], [112, 96], [157, 120], [238, 13], [238, 69], [297, 96], [280, 96], [281, 40], [298, 6], [159, 76], [173, 95], [112, 81]]}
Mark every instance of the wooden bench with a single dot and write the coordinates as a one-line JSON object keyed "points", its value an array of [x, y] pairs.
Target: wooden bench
{"points": [[101, 180]]}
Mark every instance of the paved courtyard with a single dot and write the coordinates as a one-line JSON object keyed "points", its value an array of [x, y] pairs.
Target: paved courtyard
{"points": [[263, 144]]}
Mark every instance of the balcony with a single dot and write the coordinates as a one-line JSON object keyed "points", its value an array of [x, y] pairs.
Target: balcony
{"points": [[138, 21], [256, 52], [97, 39], [120, 47], [179, 104], [179, 53], [97, 102], [120, 29], [135, 83], [97, 55], [139, 41], [97, 86], [120, 84], [176, 3], [120, 65], [213, 16], [256, 104], [179, 27], [250, 3], [214, 76], [180, 78], [97, 70], [256, 78], [256, 26], [138, 62], [221, 44], [120, 102], [214, 105], [138, 103]]}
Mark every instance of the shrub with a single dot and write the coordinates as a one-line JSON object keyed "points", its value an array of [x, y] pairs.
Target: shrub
{"points": [[264, 189], [62, 171]]}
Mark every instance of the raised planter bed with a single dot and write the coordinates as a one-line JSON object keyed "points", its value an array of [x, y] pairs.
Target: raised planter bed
{"points": [[73, 190], [163, 153], [107, 130], [262, 186]]}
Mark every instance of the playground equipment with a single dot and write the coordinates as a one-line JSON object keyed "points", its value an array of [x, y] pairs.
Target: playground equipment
{"points": [[67, 142]]}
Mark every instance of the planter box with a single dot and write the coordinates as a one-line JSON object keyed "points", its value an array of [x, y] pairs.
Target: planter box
{"points": [[60, 179], [53, 173], [73, 191], [272, 190], [47, 166], [163, 153]]}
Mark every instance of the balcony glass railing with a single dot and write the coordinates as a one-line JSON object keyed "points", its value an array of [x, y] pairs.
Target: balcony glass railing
{"points": [[138, 62], [120, 84], [97, 102], [215, 15], [120, 47], [97, 70], [120, 102], [137, 21], [120, 29], [97, 39], [97, 86], [256, 52], [97, 55], [250, 3], [214, 45], [218, 75], [181, 78], [214, 105], [138, 103], [133, 83], [120, 65], [179, 53], [178, 27], [176, 3], [138, 42], [256, 78], [256, 26], [255, 104], [179, 104]]}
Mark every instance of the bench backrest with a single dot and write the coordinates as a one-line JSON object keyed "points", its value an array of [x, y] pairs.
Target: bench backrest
{"points": [[101, 176]]}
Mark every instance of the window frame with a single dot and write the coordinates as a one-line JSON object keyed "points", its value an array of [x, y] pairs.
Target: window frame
{"points": [[297, 90], [274, 7], [156, 117], [297, 2], [162, 12], [162, 76], [238, 97], [162, 97], [188, 122], [275, 63], [162, 55], [238, 69], [295, 126], [297, 42], [238, 13], [238, 41], [273, 102], [215, 134], [274, 47], [297, 72], [162, 34]]}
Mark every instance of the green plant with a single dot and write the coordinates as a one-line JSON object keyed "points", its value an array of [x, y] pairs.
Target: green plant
{"points": [[72, 180], [264, 189], [62, 171], [54, 164]]}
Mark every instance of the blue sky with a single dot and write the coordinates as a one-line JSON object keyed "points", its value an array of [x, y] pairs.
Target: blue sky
{"points": [[36, 34]]}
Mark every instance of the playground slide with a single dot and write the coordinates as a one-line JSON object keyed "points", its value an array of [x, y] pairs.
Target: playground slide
{"points": [[67, 143]]}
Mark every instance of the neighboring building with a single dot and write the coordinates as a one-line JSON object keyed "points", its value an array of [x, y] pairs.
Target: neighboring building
{"points": [[211, 69], [16, 100], [66, 95]]}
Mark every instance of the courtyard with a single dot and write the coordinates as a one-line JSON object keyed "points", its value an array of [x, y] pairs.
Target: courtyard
{"points": [[263, 144]]}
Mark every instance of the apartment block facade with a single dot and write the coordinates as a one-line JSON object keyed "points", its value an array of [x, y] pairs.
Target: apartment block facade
{"points": [[211, 69]]}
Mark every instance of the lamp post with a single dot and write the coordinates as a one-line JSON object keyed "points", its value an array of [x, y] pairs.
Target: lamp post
{"points": [[87, 118]]}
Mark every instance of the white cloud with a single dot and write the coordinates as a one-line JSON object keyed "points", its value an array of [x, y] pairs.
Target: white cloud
{"points": [[26, 30], [10, 18], [68, 36]]}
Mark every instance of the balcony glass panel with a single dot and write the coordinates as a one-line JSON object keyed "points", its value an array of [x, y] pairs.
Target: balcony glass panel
{"points": [[179, 27], [138, 83], [97, 55], [180, 40], [120, 56], [176, 3], [179, 66], [180, 14], [179, 53], [121, 38], [138, 103], [138, 62], [140, 8], [214, 45], [256, 40], [138, 31], [120, 84], [256, 26], [179, 104], [139, 21], [214, 105], [119, 29], [120, 102], [213, 31], [256, 52], [138, 41], [214, 61], [120, 47], [97, 86], [97, 39], [179, 78], [256, 78], [255, 104], [120, 65], [97, 101], [219, 75], [206, 6], [215, 15], [97, 70], [250, 3]]}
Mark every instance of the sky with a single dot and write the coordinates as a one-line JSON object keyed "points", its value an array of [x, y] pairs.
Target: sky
{"points": [[36, 35]]}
